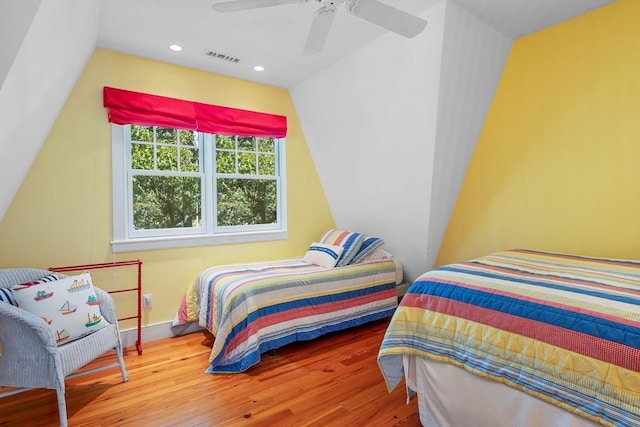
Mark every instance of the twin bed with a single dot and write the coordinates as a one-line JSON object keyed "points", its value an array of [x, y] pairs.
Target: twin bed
{"points": [[516, 337], [252, 308], [520, 338]]}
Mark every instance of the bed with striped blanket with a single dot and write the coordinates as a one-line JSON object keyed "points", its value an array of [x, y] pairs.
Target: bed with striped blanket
{"points": [[560, 328], [256, 307]]}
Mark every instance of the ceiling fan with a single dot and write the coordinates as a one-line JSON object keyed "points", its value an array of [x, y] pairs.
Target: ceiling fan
{"points": [[374, 11]]}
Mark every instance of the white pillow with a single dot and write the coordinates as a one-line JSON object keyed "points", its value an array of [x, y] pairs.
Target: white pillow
{"points": [[376, 255], [323, 255], [68, 305], [6, 295]]}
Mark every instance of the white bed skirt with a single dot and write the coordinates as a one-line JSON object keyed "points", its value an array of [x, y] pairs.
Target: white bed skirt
{"points": [[449, 396]]}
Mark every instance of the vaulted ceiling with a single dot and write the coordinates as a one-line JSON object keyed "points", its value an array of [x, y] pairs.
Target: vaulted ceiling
{"points": [[44, 46], [274, 37]]}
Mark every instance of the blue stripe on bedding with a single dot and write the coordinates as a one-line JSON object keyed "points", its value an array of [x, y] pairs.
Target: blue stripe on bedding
{"points": [[307, 302], [291, 335], [315, 301], [570, 319], [545, 283], [290, 280], [231, 278]]}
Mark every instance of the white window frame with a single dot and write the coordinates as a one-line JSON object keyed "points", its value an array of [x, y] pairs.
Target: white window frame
{"points": [[126, 239]]}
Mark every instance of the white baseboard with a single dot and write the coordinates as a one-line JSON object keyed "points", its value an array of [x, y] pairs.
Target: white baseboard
{"points": [[148, 333]]}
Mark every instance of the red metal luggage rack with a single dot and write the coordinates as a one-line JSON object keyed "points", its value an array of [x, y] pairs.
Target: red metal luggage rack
{"points": [[138, 289]]}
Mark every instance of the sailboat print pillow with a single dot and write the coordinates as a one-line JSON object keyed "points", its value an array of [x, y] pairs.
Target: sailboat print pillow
{"points": [[69, 306]]}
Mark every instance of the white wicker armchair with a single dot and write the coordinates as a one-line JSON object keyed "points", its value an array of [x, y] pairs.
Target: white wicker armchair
{"points": [[30, 356]]}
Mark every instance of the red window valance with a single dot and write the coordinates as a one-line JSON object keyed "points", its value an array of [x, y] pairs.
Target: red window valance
{"points": [[128, 107]]}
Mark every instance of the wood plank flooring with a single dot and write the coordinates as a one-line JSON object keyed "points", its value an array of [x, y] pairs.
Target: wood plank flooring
{"points": [[333, 380]]}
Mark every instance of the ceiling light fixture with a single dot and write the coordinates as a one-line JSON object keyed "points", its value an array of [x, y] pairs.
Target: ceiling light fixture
{"points": [[175, 47], [258, 68]]}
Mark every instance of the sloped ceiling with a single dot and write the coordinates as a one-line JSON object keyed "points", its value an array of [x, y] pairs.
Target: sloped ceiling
{"points": [[517, 18], [57, 40], [274, 36], [44, 46]]}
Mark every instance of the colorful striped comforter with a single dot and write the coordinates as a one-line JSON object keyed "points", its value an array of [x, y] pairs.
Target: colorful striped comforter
{"points": [[563, 328], [255, 307]]}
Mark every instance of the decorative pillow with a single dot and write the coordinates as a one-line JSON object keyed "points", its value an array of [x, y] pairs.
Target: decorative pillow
{"points": [[68, 305], [323, 255], [350, 241], [369, 245], [48, 278], [7, 296]]}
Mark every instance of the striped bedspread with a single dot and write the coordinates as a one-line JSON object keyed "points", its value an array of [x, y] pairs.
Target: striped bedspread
{"points": [[255, 307], [563, 328]]}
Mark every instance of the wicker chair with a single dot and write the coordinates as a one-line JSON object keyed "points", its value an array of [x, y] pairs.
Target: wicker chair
{"points": [[30, 356]]}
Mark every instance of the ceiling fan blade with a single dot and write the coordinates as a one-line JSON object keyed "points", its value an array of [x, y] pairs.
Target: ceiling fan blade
{"points": [[319, 30], [240, 5], [388, 17]]}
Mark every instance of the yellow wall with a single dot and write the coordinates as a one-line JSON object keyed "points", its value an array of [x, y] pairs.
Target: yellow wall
{"points": [[557, 165], [62, 214]]}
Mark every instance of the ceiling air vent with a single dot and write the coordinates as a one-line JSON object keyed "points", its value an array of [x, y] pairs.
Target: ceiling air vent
{"points": [[221, 56]]}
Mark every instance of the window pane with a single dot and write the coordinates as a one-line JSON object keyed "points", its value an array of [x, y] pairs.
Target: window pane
{"points": [[225, 162], [167, 158], [166, 202], [189, 138], [141, 133], [166, 136], [189, 161], [247, 163], [226, 142], [266, 164], [142, 156], [247, 144], [266, 145], [246, 201]]}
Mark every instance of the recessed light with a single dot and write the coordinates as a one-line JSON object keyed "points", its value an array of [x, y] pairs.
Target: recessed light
{"points": [[175, 47], [258, 68]]}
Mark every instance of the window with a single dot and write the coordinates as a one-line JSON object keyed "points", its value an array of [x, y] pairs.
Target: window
{"points": [[177, 188], [246, 182]]}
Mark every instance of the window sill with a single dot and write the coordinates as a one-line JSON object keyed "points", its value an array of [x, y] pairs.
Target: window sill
{"points": [[173, 242]]}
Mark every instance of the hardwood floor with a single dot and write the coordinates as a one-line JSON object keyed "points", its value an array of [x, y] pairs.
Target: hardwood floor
{"points": [[333, 380]]}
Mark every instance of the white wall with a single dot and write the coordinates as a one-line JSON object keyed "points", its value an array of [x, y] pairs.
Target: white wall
{"points": [[370, 122], [391, 129], [474, 55], [56, 45], [15, 18]]}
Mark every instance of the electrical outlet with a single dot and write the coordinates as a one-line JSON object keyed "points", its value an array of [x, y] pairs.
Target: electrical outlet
{"points": [[147, 300]]}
